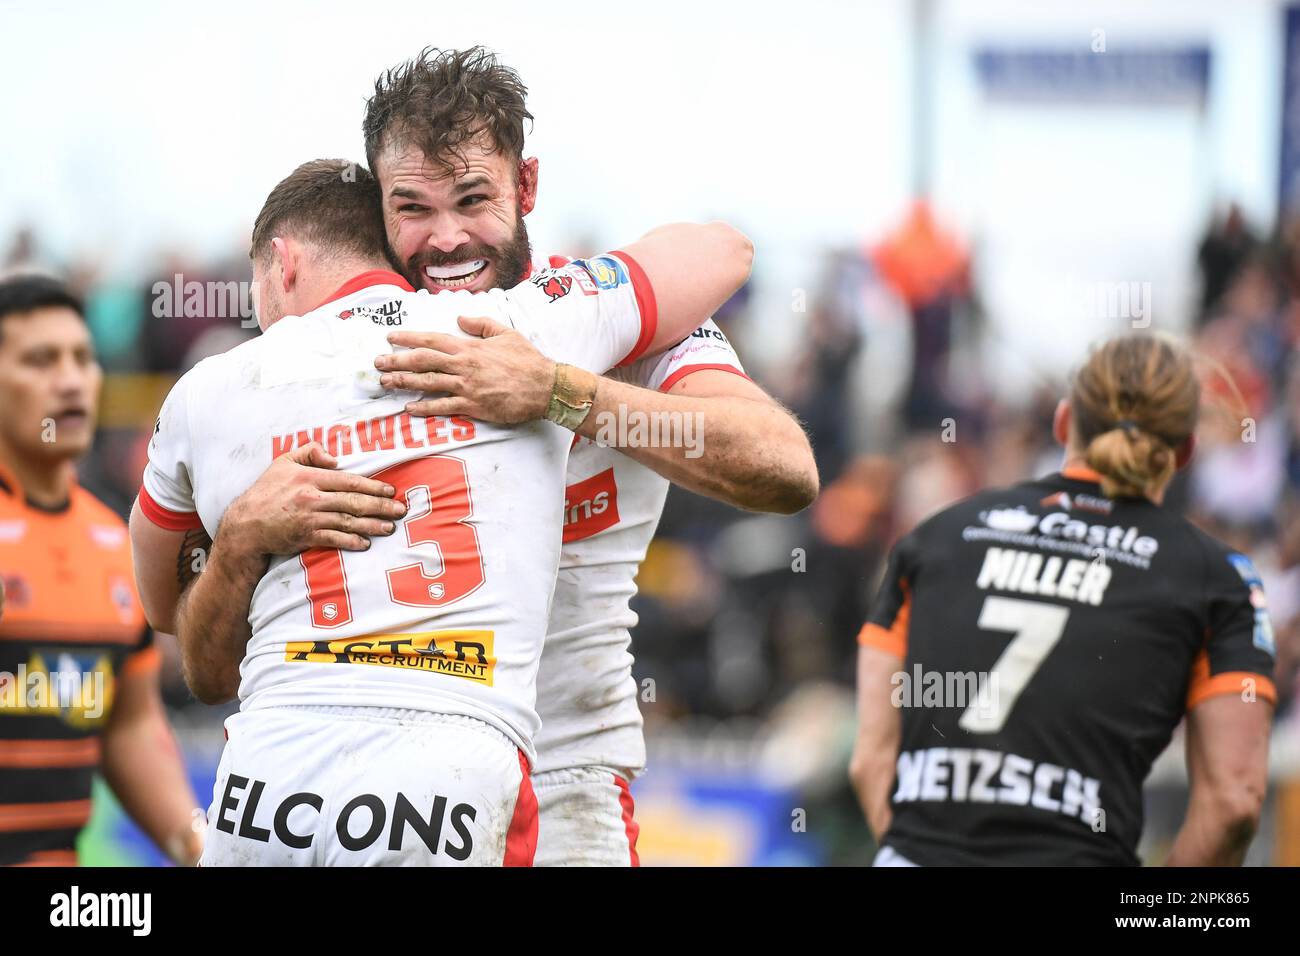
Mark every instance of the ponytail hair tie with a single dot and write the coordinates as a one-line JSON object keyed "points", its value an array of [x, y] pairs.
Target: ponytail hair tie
{"points": [[1127, 424]]}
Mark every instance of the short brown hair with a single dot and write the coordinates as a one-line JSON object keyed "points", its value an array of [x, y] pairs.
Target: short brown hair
{"points": [[1134, 402], [332, 203], [442, 100]]}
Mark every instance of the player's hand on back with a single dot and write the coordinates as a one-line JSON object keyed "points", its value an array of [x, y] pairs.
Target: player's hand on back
{"points": [[499, 377], [301, 501]]}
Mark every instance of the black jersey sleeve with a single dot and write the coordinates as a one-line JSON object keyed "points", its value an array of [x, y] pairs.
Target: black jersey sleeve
{"points": [[1239, 651], [886, 626]]}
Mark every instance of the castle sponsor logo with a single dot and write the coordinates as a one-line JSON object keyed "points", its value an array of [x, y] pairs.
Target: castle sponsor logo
{"points": [[1059, 531]]}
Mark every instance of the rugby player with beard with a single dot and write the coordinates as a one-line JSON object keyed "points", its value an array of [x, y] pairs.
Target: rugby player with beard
{"points": [[444, 135]]}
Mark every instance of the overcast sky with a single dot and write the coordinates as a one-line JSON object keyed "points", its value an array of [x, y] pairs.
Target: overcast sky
{"points": [[165, 122], [131, 127]]}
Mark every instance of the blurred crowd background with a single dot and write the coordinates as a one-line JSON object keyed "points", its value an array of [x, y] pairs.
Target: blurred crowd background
{"points": [[924, 365]]}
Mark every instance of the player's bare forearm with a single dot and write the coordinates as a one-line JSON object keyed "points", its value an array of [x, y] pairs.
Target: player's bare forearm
{"points": [[871, 771], [875, 750], [872, 781], [156, 557], [740, 448], [1227, 767], [143, 766], [212, 617], [726, 437], [1210, 838]]}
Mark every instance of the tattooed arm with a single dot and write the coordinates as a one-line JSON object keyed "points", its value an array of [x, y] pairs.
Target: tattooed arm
{"points": [[212, 615], [191, 557], [165, 561]]}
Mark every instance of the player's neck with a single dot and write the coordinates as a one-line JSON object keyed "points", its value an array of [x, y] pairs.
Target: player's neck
{"points": [[46, 483], [326, 283], [1076, 461]]}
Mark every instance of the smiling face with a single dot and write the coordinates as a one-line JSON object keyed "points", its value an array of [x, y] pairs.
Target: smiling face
{"points": [[49, 384], [461, 228]]}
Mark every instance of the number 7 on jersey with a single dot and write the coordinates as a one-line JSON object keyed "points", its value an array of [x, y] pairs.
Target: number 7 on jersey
{"points": [[1038, 627]]}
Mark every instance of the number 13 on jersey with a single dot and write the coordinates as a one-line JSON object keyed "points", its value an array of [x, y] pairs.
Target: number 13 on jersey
{"points": [[448, 565]]}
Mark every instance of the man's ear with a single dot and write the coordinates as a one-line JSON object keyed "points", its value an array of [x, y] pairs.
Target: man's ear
{"points": [[1183, 454], [527, 185], [286, 257], [1061, 422]]}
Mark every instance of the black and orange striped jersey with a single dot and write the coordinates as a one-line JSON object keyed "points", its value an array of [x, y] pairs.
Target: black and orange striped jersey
{"points": [[1052, 640], [72, 624]]}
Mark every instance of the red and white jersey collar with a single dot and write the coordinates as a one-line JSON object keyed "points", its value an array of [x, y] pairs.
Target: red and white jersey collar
{"points": [[364, 281]]}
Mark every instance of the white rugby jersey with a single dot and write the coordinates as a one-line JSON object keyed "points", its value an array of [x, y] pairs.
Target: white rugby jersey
{"points": [[586, 694], [448, 613]]}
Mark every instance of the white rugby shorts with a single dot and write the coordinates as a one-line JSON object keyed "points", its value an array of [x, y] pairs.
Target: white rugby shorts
{"points": [[585, 818], [368, 786]]}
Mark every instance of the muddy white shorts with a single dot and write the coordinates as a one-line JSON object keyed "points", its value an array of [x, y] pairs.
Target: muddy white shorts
{"points": [[584, 818], [368, 786]]}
